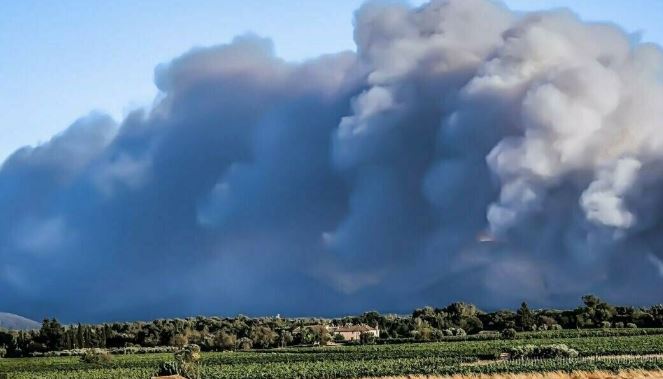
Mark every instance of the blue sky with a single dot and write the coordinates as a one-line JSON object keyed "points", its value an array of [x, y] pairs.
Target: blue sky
{"points": [[61, 59]]}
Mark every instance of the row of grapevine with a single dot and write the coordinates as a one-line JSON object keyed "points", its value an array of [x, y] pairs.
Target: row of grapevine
{"points": [[360, 361]]}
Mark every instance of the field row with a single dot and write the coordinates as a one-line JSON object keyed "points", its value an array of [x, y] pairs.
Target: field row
{"points": [[357, 361], [356, 369]]}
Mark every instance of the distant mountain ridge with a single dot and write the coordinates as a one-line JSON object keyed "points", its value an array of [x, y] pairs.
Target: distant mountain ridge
{"points": [[16, 322]]}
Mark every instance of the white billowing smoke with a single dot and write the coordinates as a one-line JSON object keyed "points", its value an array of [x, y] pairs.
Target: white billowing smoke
{"points": [[588, 101], [553, 104], [464, 152], [602, 201], [401, 48]]}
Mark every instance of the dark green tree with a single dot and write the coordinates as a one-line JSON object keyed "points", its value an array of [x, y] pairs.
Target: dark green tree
{"points": [[525, 319], [80, 338], [51, 335]]}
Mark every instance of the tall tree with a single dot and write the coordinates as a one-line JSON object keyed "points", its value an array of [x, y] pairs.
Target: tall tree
{"points": [[525, 318], [80, 338], [51, 334]]}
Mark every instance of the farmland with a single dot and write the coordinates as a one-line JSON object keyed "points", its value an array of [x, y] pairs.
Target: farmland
{"points": [[455, 340], [611, 353]]}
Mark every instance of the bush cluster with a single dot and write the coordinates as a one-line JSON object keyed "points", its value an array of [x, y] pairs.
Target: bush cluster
{"points": [[113, 351], [509, 334], [541, 352], [186, 363], [96, 357]]}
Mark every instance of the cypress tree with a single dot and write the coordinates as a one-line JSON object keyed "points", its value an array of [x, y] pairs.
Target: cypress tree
{"points": [[80, 340], [526, 319]]}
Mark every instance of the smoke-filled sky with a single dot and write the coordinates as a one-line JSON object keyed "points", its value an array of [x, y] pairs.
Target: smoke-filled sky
{"points": [[461, 151], [68, 57]]}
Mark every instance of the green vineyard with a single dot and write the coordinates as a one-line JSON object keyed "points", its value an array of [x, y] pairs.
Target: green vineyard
{"points": [[595, 353]]}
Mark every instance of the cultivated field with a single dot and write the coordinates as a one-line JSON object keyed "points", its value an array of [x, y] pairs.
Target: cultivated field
{"points": [[611, 354], [633, 374]]}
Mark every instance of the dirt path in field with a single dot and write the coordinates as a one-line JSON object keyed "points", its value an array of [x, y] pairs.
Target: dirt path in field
{"points": [[634, 374]]}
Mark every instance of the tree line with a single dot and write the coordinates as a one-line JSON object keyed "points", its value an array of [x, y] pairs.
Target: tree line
{"points": [[241, 332]]}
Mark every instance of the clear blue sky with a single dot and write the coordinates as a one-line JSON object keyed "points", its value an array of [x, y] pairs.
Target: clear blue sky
{"points": [[61, 59]]}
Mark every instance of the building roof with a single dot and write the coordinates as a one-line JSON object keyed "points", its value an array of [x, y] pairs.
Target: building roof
{"points": [[354, 328]]}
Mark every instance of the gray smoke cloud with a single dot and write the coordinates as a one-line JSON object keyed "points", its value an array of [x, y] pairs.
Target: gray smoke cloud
{"points": [[463, 152]]}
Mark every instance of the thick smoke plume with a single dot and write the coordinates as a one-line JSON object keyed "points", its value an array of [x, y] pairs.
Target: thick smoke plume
{"points": [[464, 152]]}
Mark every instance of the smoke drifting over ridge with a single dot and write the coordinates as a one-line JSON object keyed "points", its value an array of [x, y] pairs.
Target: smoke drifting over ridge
{"points": [[462, 153]]}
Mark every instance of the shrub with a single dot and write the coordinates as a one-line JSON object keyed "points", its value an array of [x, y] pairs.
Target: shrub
{"points": [[619, 325], [436, 334], [96, 357], [188, 359], [556, 327], [606, 325], [454, 332], [472, 325], [245, 343], [186, 363], [545, 351], [3, 351], [631, 325], [367, 338], [508, 334], [179, 340], [226, 341], [168, 368]]}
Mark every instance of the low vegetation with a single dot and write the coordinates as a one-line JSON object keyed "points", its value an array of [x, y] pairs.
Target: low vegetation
{"points": [[634, 374], [186, 363], [455, 322], [457, 339], [96, 357], [542, 352], [437, 358]]}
